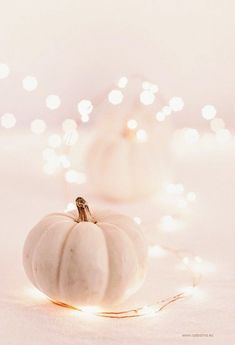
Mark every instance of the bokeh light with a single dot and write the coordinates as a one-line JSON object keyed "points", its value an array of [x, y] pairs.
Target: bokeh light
{"points": [[53, 102], [29, 83], [115, 97], [176, 104], [8, 120], [208, 112]]}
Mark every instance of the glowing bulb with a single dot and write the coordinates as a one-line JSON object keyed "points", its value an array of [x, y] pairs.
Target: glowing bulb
{"points": [[147, 97], [71, 137], [91, 309], [141, 135], [153, 88], [73, 176], [54, 140], [4, 71], [53, 102], [216, 124], [185, 260], [85, 118], [8, 120], [69, 125], [115, 97], [70, 207], [208, 112], [36, 294], [148, 310], [223, 136], [132, 124], [38, 126], [188, 290], [160, 116], [176, 104], [137, 220], [191, 196], [156, 251], [29, 83], [122, 83], [85, 107], [191, 135]]}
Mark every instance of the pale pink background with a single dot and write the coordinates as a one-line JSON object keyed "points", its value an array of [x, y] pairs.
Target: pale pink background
{"points": [[78, 48]]}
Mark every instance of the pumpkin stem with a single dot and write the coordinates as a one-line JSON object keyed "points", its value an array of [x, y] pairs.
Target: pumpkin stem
{"points": [[83, 211]]}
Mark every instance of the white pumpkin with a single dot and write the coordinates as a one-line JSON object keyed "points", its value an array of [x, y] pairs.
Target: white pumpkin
{"points": [[126, 165], [79, 259]]}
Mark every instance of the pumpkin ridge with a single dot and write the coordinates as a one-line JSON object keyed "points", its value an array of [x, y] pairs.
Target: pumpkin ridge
{"points": [[58, 275], [36, 247], [117, 228]]}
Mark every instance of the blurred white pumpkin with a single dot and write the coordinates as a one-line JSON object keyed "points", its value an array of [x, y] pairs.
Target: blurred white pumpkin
{"points": [[129, 160], [126, 152], [80, 259]]}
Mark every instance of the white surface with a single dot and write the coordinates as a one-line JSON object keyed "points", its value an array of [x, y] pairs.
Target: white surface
{"points": [[27, 194]]}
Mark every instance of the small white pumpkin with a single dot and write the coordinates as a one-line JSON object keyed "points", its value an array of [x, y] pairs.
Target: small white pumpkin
{"points": [[123, 166], [80, 259]]}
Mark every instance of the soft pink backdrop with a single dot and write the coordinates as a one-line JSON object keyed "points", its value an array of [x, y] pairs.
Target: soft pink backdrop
{"points": [[78, 48]]}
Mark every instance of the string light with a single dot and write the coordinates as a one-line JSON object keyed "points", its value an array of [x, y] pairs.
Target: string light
{"points": [[141, 135], [115, 97], [29, 83], [4, 71], [85, 108], [122, 83], [208, 112], [53, 102], [176, 104], [38, 126], [160, 116], [147, 86], [8, 120], [147, 97], [137, 220], [132, 124], [156, 251]]}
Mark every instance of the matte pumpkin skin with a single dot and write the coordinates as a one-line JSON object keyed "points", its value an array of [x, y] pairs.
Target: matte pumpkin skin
{"points": [[84, 263]]}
